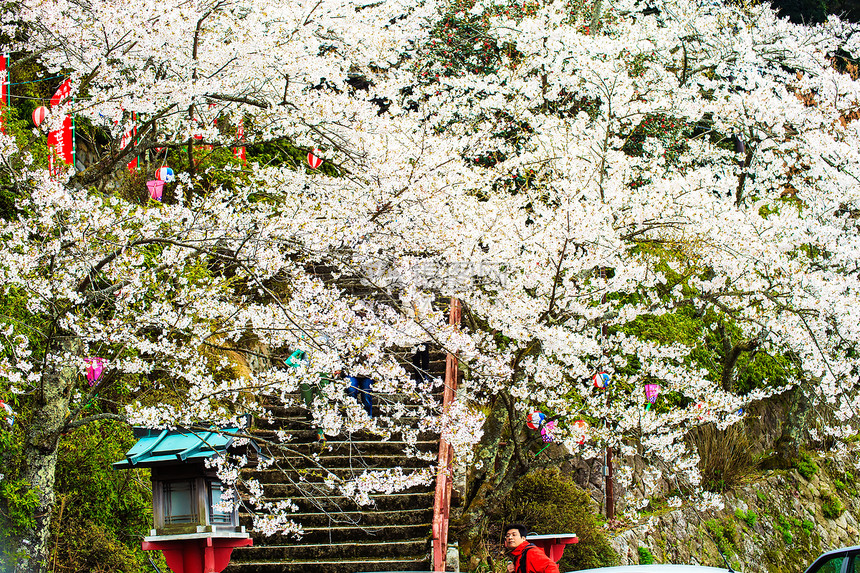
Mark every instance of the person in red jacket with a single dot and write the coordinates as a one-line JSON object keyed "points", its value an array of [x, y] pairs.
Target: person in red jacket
{"points": [[527, 558]]}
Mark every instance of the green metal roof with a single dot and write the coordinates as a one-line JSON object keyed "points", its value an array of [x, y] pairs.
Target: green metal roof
{"points": [[167, 447]]}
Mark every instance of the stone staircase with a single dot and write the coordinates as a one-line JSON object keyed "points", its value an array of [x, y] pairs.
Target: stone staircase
{"points": [[391, 534], [394, 532]]}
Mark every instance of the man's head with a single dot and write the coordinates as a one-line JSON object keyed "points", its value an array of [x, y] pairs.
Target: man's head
{"points": [[515, 534]]}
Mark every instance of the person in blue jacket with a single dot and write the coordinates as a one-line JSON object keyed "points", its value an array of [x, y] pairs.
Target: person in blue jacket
{"points": [[359, 388]]}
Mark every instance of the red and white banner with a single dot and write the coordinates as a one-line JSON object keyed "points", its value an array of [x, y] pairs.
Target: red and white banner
{"points": [[126, 138], [4, 89], [61, 143], [62, 94], [239, 152]]}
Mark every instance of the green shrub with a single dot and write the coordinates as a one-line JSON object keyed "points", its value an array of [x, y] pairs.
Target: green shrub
{"points": [[645, 556], [783, 526], [104, 512], [806, 466], [831, 506], [749, 517], [724, 533], [548, 502], [18, 502]]}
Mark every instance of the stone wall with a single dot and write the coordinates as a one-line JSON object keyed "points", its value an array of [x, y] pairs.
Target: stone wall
{"points": [[777, 523]]}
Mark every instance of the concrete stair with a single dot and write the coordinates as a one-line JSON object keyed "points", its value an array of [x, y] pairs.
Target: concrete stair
{"points": [[392, 534]]}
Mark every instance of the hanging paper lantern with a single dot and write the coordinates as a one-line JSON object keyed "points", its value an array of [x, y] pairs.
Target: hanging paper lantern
{"points": [[39, 115], [601, 380], [165, 174], [10, 414], [156, 188], [314, 158], [535, 420], [580, 427], [547, 430], [651, 392], [95, 367]]}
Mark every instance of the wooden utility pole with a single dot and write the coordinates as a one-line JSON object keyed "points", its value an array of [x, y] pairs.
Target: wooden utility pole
{"points": [[607, 461]]}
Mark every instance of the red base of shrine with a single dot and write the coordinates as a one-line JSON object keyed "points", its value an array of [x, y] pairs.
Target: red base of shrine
{"points": [[209, 555], [553, 545]]}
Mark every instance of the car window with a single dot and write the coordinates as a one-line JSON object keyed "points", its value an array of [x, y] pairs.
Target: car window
{"points": [[854, 563], [832, 565]]}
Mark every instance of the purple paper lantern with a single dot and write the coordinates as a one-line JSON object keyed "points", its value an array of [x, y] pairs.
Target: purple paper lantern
{"points": [[95, 367]]}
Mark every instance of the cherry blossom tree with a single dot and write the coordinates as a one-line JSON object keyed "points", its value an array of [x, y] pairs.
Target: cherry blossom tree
{"points": [[581, 179], [193, 305], [671, 200]]}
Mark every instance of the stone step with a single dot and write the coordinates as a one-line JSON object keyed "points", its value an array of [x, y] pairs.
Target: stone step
{"points": [[351, 548], [390, 534], [296, 407], [338, 447], [317, 475], [402, 418], [369, 518], [308, 434], [327, 501], [288, 461], [418, 563]]}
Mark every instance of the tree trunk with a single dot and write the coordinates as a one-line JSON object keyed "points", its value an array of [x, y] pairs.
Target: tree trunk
{"points": [[40, 462], [495, 471]]}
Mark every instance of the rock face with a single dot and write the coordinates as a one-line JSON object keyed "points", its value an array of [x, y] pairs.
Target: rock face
{"points": [[776, 524]]}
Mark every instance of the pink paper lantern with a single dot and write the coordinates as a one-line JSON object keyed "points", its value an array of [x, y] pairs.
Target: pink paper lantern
{"points": [[652, 391], [156, 188], [39, 115], [95, 367]]}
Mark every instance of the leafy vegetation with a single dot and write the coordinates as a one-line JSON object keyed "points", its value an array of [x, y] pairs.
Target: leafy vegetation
{"points": [[831, 506], [547, 501], [806, 466], [102, 513], [749, 517], [724, 532], [645, 556]]}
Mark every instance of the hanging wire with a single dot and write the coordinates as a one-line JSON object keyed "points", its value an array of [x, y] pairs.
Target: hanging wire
{"points": [[34, 81]]}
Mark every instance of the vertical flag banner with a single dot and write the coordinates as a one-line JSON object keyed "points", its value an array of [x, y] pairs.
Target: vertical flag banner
{"points": [[61, 142], [126, 138], [239, 152], [4, 89]]}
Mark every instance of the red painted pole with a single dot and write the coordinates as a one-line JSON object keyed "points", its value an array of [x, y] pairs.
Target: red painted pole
{"points": [[444, 476]]}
